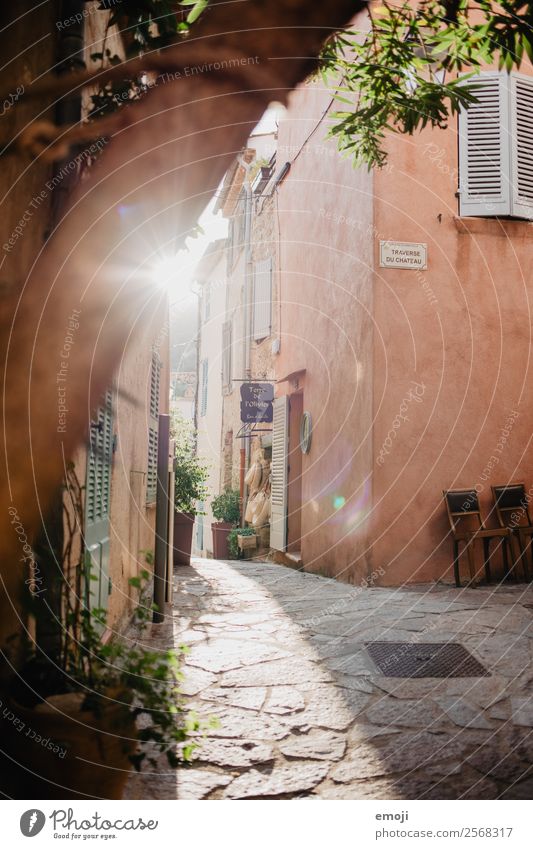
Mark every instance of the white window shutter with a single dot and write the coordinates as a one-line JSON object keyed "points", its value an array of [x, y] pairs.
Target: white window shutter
{"points": [[262, 299], [279, 474], [205, 378], [484, 149], [522, 146]]}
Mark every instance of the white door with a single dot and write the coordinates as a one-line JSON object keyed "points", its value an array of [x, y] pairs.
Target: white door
{"points": [[279, 478]]}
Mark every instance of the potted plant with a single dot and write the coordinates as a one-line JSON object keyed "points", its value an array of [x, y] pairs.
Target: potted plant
{"points": [[241, 540], [73, 725], [225, 507], [190, 475]]}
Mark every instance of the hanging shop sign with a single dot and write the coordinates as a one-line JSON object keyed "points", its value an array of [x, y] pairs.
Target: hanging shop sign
{"points": [[256, 402], [306, 432], [413, 255]]}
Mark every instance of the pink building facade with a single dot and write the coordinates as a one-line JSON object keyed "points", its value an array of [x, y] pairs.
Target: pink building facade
{"points": [[405, 334]]}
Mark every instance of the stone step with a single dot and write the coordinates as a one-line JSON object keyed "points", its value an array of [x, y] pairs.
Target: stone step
{"points": [[292, 559]]}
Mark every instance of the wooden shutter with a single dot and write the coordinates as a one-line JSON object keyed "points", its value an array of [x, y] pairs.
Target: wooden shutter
{"points": [[205, 376], [153, 429], [279, 474], [151, 475], [98, 504], [155, 381], [98, 483], [262, 299], [522, 145], [484, 149]]}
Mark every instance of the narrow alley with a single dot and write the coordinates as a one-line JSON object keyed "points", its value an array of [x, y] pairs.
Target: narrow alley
{"points": [[279, 657]]}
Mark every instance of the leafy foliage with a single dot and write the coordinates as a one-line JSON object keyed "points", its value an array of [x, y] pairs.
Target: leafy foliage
{"points": [[387, 76], [145, 26], [143, 682], [390, 78], [147, 680], [233, 544], [226, 507], [190, 471]]}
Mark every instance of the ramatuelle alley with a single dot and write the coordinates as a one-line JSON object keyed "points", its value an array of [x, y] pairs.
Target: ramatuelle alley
{"points": [[266, 333]]}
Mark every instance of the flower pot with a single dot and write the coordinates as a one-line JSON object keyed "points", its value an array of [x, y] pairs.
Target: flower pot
{"points": [[183, 526], [246, 542], [56, 750], [220, 532]]}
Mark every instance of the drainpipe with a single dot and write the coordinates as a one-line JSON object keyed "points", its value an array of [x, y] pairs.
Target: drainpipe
{"points": [[248, 305]]}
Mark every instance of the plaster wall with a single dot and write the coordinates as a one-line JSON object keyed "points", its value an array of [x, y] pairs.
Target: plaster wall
{"points": [[325, 277], [461, 332], [209, 433]]}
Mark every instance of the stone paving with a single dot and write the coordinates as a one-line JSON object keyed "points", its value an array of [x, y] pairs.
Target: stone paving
{"points": [[278, 656]]}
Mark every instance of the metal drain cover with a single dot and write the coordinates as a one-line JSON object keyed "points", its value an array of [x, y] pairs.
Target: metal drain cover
{"points": [[425, 660]]}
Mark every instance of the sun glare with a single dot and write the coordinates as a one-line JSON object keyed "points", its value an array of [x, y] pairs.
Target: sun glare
{"points": [[167, 270]]}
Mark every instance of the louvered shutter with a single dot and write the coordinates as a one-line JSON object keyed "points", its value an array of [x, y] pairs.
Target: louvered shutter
{"points": [[279, 474], [98, 504], [205, 377], [522, 145], [153, 429], [484, 149], [262, 299], [98, 482], [151, 474]]}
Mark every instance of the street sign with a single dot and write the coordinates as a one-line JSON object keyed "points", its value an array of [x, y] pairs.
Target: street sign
{"points": [[413, 255], [256, 402]]}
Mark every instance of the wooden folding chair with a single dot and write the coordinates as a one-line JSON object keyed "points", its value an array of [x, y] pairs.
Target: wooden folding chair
{"points": [[467, 526], [512, 511]]}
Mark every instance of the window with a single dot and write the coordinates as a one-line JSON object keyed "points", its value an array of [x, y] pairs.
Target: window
{"points": [[207, 302], [262, 317], [99, 465], [496, 148], [237, 232], [153, 429], [203, 396], [227, 342]]}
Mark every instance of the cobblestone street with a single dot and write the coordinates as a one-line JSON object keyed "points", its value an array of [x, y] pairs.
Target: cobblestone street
{"points": [[278, 655]]}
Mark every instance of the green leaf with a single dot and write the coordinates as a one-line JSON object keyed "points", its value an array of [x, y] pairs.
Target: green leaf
{"points": [[199, 7]]}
